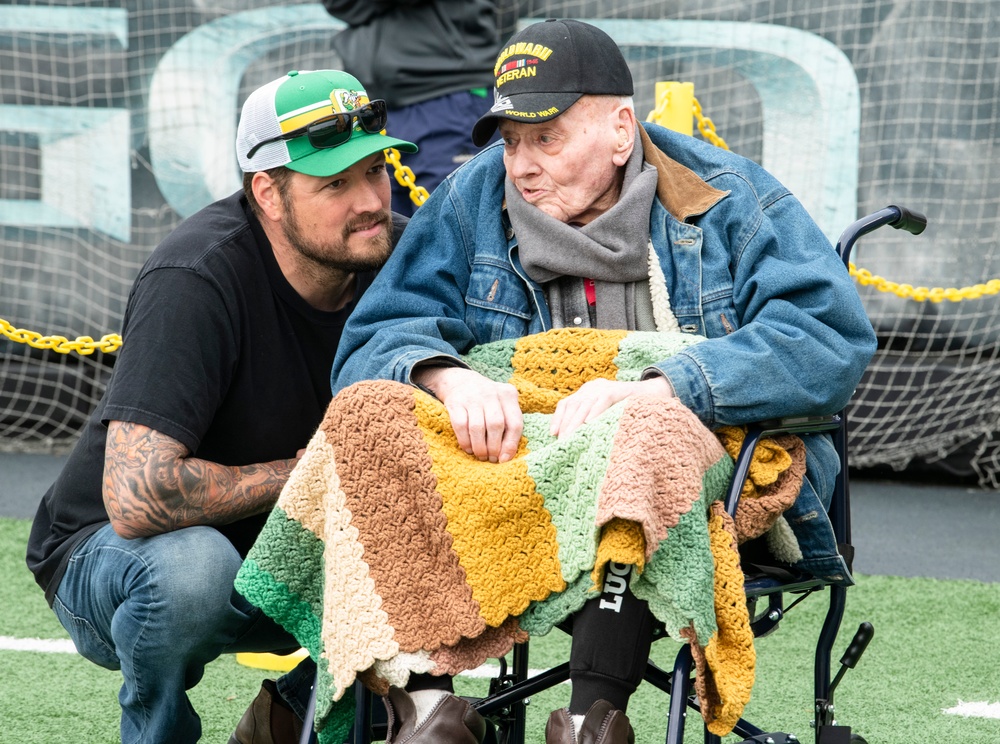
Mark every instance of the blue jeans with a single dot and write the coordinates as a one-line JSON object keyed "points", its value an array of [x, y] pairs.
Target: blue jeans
{"points": [[159, 609]]}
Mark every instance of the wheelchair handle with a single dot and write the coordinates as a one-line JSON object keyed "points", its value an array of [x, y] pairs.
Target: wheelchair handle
{"points": [[895, 216], [910, 220], [858, 645], [848, 661]]}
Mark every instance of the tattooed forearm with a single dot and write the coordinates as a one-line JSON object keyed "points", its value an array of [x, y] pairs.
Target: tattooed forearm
{"points": [[151, 486]]}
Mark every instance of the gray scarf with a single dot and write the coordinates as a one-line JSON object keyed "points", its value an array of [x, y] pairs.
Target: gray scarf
{"points": [[611, 250]]}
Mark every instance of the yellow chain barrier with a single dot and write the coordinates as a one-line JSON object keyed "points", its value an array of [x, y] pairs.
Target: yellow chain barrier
{"points": [[404, 176], [921, 294], [707, 127], [670, 95], [672, 102], [82, 345], [111, 342]]}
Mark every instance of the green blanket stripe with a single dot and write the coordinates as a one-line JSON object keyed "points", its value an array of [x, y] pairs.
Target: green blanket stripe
{"points": [[287, 608], [568, 473], [338, 723], [297, 616], [334, 717], [657, 585], [299, 547], [493, 360], [541, 617], [716, 479], [677, 597], [642, 349]]}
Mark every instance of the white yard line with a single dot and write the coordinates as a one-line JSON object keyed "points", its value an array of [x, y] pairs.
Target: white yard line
{"points": [[44, 645], [974, 710], [491, 670]]}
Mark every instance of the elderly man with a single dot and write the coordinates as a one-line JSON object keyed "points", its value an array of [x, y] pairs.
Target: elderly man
{"points": [[583, 218], [229, 335]]}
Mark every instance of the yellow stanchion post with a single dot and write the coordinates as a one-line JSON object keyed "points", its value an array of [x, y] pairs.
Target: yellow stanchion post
{"points": [[674, 106]]}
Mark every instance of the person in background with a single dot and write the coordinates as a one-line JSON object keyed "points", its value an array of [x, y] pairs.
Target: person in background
{"points": [[583, 218], [432, 61], [223, 376]]}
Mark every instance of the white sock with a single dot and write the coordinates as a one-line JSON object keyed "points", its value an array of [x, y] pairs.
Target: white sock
{"points": [[424, 701], [577, 723]]}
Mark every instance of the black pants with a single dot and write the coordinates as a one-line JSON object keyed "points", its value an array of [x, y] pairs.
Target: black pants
{"points": [[612, 634]]}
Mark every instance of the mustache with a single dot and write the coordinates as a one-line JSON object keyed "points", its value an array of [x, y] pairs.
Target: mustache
{"points": [[382, 217]]}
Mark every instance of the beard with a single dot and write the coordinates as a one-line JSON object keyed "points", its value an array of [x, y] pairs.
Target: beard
{"points": [[337, 253]]}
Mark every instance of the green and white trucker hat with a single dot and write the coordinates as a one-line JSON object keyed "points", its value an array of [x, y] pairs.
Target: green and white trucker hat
{"points": [[276, 119]]}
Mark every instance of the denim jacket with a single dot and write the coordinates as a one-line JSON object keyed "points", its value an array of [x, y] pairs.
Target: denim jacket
{"points": [[743, 263]]}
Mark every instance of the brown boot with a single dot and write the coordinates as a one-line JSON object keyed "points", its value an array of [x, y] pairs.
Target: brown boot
{"points": [[603, 724], [268, 720], [451, 721]]}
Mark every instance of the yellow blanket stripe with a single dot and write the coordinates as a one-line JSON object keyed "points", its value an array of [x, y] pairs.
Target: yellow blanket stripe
{"points": [[546, 373], [730, 652], [497, 520], [622, 541], [769, 461]]}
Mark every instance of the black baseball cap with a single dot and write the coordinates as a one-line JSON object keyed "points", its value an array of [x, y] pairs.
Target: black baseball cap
{"points": [[547, 67]]}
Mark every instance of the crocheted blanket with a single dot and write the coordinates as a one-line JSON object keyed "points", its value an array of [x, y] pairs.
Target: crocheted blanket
{"points": [[391, 551]]}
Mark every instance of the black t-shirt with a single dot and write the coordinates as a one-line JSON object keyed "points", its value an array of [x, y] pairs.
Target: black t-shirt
{"points": [[218, 352]]}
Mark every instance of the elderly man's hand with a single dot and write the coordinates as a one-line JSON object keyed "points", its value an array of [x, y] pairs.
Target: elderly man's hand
{"points": [[596, 396], [484, 414]]}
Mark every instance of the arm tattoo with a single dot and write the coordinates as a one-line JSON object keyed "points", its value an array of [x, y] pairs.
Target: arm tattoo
{"points": [[152, 486]]}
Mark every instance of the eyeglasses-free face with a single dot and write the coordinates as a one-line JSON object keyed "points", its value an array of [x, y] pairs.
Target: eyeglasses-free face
{"points": [[335, 130]]}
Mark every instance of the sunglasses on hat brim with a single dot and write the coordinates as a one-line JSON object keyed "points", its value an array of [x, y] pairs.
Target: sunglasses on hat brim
{"points": [[336, 129]]}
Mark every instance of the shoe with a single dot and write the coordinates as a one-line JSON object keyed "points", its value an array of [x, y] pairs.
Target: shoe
{"points": [[603, 724], [451, 721], [268, 720]]}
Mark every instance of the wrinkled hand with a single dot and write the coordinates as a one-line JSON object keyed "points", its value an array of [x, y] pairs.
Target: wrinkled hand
{"points": [[596, 396], [484, 414]]}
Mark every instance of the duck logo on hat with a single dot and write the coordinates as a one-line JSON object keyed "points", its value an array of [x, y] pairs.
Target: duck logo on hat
{"points": [[345, 101]]}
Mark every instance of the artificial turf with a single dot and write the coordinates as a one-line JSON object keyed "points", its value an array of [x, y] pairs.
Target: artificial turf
{"points": [[935, 645]]}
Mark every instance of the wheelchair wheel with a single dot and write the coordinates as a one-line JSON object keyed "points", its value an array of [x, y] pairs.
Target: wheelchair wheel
{"points": [[858, 739]]}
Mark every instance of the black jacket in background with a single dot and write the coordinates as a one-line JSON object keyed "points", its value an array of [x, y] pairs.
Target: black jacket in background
{"points": [[408, 51]]}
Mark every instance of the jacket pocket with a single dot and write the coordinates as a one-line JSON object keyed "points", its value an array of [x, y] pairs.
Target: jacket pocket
{"points": [[497, 304], [719, 313]]}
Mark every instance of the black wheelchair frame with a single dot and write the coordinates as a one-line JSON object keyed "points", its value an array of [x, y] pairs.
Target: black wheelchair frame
{"points": [[509, 693]]}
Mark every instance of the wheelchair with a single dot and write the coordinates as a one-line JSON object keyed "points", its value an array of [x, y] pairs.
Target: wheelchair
{"points": [[510, 692]]}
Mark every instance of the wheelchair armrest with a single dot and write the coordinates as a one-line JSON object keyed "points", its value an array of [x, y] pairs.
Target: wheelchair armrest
{"points": [[798, 425], [771, 428]]}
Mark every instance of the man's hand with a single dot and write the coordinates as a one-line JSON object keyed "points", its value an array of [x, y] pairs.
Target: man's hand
{"points": [[484, 414], [596, 396]]}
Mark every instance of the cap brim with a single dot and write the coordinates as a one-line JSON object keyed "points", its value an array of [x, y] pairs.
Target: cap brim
{"points": [[334, 160], [529, 107]]}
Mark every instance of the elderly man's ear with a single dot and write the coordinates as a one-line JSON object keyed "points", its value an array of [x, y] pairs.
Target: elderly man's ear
{"points": [[625, 131]]}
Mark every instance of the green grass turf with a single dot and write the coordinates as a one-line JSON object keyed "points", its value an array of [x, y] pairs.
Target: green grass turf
{"points": [[935, 644]]}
